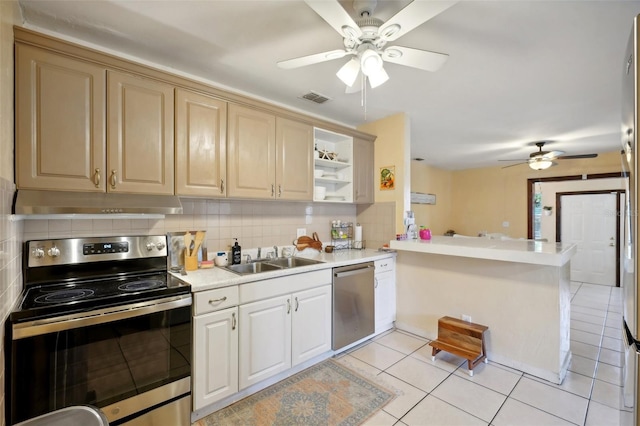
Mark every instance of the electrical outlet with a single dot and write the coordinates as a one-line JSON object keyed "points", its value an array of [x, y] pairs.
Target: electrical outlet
{"points": [[300, 232], [466, 318], [505, 224]]}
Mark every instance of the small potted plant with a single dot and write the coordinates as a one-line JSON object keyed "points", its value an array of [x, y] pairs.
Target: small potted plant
{"points": [[547, 210]]}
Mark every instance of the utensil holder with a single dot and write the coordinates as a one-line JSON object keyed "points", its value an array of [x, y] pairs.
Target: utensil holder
{"points": [[190, 262]]}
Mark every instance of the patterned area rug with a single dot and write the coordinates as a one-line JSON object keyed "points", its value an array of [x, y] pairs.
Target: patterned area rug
{"points": [[325, 394]]}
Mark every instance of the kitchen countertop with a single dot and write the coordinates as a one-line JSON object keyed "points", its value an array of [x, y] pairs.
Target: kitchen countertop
{"points": [[217, 277], [520, 251]]}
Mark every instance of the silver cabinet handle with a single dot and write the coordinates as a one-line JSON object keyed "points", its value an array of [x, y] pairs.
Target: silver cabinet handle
{"points": [[233, 321], [222, 299], [279, 190], [273, 190], [376, 280], [222, 186], [288, 305], [96, 178], [113, 179], [297, 304]]}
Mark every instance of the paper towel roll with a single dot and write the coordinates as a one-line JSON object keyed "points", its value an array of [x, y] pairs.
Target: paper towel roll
{"points": [[358, 234]]}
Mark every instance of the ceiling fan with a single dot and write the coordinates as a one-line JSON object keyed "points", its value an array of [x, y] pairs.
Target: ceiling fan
{"points": [[365, 40], [541, 160]]}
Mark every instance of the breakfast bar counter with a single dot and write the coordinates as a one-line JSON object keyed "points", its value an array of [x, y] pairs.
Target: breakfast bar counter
{"points": [[518, 288]]}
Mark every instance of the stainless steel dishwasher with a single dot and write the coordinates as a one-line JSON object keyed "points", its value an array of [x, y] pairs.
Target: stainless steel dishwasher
{"points": [[353, 304]]}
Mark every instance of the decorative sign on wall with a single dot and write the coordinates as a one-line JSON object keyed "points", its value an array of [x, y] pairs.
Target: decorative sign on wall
{"points": [[387, 178], [420, 198]]}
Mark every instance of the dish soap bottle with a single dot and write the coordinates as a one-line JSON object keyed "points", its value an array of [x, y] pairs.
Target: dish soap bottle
{"points": [[236, 253]]}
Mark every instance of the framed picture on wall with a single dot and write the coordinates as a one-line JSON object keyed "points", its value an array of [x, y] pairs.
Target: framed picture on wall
{"points": [[387, 178]]}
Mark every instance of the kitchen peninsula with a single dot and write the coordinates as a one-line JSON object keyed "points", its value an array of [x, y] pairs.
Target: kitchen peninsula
{"points": [[518, 288]]}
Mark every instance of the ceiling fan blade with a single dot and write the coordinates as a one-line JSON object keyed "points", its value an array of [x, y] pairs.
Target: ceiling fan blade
{"points": [[416, 58], [573, 157], [550, 155], [312, 59], [519, 159], [511, 165], [335, 15], [414, 14]]}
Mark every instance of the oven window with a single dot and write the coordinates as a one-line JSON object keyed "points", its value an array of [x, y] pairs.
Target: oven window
{"points": [[99, 364]]}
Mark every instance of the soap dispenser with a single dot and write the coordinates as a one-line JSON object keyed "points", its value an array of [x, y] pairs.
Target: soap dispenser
{"points": [[236, 253]]}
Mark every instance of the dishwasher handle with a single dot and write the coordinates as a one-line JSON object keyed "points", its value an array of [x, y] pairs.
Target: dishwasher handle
{"points": [[341, 274]]}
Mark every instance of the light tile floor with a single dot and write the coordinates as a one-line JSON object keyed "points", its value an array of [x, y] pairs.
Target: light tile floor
{"points": [[442, 393]]}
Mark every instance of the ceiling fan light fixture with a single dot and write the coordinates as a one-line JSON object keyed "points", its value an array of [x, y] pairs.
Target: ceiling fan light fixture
{"points": [[378, 78], [349, 72], [540, 163], [370, 62]]}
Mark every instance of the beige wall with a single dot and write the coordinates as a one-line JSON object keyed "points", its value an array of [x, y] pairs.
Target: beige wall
{"points": [[10, 231], [482, 199], [392, 148], [431, 180]]}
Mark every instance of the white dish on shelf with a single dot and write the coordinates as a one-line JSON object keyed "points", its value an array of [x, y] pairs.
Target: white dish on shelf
{"points": [[334, 198]]}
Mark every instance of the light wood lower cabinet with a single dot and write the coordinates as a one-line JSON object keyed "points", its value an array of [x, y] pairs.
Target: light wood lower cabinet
{"points": [[60, 121], [201, 139], [269, 157], [215, 356], [283, 331], [139, 135]]}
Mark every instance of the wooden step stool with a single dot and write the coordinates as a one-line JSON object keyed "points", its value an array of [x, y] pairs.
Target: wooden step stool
{"points": [[461, 338]]}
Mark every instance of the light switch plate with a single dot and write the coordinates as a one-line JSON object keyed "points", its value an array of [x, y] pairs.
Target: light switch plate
{"points": [[301, 232]]}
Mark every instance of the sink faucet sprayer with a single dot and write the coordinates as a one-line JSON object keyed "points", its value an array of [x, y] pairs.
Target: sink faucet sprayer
{"points": [[276, 250]]}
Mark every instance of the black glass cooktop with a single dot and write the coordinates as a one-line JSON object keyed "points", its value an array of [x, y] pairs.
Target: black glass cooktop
{"points": [[49, 300]]}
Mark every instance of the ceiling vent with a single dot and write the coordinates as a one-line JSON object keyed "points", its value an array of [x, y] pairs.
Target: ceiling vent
{"points": [[315, 97]]}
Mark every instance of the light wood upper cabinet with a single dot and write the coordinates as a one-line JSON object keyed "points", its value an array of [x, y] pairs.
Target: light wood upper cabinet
{"points": [[252, 149], [363, 173], [294, 160], [201, 135], [60, 121], [140, 135]]}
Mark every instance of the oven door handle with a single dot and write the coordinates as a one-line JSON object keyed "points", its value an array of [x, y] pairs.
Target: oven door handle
{"points": [[98, 316]]}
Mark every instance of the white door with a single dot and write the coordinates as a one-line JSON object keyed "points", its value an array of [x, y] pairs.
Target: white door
{"points": [[311, 324], [265, 339], [216, 357], [589, 220]]}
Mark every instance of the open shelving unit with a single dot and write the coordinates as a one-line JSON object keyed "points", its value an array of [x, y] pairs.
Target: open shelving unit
{"points": [[334, 156]]}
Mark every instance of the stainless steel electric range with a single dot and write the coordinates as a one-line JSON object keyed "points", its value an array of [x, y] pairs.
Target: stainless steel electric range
{"points": [[100, 322]]}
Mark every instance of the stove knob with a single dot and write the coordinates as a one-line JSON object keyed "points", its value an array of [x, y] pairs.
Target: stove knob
{"points": [[38, 253], [160, 246], [150, 246], [53, 251]]}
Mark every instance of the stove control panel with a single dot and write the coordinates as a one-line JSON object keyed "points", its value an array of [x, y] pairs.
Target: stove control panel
{"points": [[93, 249], [100, 248]]}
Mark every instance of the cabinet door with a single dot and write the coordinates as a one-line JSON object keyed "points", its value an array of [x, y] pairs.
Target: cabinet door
{"points": [[215, 358], [363, 156], [385, 300], [251, 153], [311, 323], [294, 160], [140, 135], [60, 122], [201, 139], [265, 339]]}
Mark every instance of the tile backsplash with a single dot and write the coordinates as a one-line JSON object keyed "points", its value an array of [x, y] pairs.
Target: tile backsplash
{"points": [[254, 223]]}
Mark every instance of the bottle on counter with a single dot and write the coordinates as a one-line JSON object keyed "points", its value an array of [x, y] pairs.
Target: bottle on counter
{"points": [[236, 253]]}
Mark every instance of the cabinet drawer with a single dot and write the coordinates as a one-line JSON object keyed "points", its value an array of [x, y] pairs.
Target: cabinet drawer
{"points": [[214, 300], [384, 265]]}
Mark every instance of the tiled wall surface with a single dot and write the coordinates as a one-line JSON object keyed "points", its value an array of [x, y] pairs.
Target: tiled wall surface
{"points": [[10, 265], [378, 223], [254, 223]]}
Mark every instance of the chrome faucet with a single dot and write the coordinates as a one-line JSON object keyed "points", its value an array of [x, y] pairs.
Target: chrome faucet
{"points": [[248, 258], [259, 252], [276, 250]]}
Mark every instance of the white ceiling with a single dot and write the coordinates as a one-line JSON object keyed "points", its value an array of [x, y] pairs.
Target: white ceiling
{"points": [[518, 71]]}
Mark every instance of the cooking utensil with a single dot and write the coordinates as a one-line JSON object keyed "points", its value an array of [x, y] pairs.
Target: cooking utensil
{"points": [[198, 242], [187, 243]]}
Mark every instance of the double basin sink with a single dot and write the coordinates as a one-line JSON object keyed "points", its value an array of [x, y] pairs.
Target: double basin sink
{"points": [[266, 265]]}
